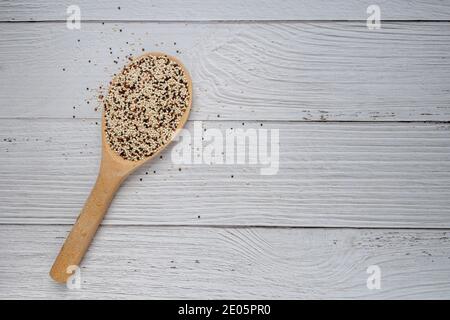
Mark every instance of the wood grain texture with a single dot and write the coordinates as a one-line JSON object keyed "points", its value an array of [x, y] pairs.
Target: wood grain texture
{"points": [[200, 10], [183, 231], [330, 174], [254, 71], [207, 263]]}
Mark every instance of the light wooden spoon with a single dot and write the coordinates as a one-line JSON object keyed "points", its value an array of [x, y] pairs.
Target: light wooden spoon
{"points": [[113, 171]]}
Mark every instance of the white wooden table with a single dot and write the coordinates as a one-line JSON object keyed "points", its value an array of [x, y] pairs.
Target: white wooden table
{"points": [[364, 173]]}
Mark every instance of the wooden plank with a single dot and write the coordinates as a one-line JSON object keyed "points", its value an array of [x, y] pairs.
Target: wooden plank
{"points": [[175, 10], [206, 263], [330, 174], [277, 71]]}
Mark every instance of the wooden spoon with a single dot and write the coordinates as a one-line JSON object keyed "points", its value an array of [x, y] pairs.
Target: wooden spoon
{"points": [[113, 171]]}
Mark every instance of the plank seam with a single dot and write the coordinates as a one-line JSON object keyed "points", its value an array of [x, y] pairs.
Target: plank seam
{"points": [[446, 229], [249, 120], [228, 21]]}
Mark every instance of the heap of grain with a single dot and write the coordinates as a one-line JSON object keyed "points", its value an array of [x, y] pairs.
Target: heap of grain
{"points": [[144, 106]]}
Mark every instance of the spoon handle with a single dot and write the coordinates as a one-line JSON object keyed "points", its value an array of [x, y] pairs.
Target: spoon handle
{"points": [[87, 223]]}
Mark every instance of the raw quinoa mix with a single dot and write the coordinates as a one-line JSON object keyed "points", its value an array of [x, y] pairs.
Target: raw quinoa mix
{"points": [[144, 106]]}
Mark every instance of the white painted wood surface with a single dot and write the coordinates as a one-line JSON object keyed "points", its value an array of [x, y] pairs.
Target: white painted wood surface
{"points": [[230, 10], [331, 174], [263, 263], [265, 71], [363, 118]]}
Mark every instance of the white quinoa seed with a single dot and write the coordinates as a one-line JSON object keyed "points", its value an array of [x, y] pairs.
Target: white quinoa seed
{"points": [[144, 106]]}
